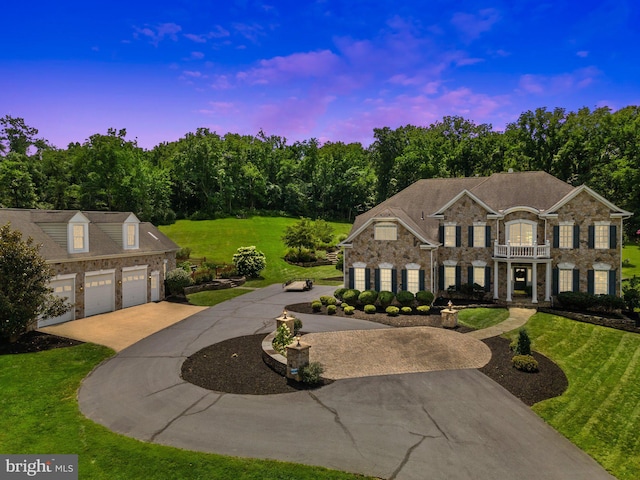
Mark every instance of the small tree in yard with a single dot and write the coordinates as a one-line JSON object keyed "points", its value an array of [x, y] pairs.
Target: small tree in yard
{"points": [[25, 294], [249, 262]]}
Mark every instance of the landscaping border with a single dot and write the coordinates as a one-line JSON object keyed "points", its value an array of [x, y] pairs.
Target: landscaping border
{"points": [[626, 324]]}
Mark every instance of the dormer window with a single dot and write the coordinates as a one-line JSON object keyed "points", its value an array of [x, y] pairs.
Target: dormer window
{"points": [[130, 233], [78, 234]]}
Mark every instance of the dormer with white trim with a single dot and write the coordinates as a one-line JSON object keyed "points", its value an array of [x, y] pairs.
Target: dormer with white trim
{"points": [[131, 233], [78, 234]]}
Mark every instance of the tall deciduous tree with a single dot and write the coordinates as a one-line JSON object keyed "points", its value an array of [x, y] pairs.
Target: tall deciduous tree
{"points": [[25, 294]]}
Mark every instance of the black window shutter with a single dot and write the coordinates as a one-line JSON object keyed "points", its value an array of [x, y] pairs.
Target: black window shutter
{"points": [[441, 277], [394, 281], [470, 274], [441, 234], [351, 279], [590, 281], [576, 236], [376, 276], [576, 280], [556, 236], [487, 279], [487, 239], [458, 276], [613, 237], [612, 282], [470, 235], [592, 236], [555, 285], [367, 279], [458, 236], [403, 286], [421, 279]]}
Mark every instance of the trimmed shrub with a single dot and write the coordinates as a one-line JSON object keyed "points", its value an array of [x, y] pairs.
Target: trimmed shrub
{"points": [[203, 275], [339, 292], [577, 300], [249, 262], [368, 297], [370, 308], [324, 299], [282, 339], [297, 326], [331, 301], [423, 309], [177, 279], [405, 298], [523, 347], [385, 298], [331, 309], [316, 306], [525, 363], [351, 296], [406, 310], [348, 310], [424, 297], [392, 311], [300, 255], [186, 266], [183, 254], [312, 373]]}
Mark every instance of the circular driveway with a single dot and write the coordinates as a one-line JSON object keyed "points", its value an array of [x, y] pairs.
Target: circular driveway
{"points": [[452, 424]]}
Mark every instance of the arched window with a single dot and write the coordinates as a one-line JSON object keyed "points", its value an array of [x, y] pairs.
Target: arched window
{"points": [[521, 232]]}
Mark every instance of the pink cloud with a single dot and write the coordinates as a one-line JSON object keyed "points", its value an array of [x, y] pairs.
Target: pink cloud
{"points": [[296, 66], [471, 26], [558, 84], [158, 33]]}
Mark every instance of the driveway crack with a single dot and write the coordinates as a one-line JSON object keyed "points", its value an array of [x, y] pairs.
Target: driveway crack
{"points": [[200, 335], [265, 325], [216, 400], [338, 420], [153, 437], [407, 456], [165, 389], [433, 420]]}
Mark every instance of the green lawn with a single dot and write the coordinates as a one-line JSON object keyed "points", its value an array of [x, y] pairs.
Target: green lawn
{"points": [[479, 318], [600, 411], [213, 297], [631, 253], [40, 415], [218, 240]]}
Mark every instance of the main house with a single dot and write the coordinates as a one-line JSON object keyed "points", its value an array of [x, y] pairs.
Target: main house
{"points": [[103, 261], [521, 236]]}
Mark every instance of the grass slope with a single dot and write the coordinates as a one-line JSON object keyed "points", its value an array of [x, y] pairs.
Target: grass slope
{"points": [[631, 253], [600, 411], [218, 240], [40, 415], [479, 318]]}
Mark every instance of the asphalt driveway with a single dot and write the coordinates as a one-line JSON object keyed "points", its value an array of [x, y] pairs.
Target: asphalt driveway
{"points": [[453, 424]]}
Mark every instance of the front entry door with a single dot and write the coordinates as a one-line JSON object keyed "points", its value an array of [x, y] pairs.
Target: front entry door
{"points": [[520, 278]]}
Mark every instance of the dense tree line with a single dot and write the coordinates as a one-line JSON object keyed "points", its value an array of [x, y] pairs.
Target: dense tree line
{"points": [[204, 174]]}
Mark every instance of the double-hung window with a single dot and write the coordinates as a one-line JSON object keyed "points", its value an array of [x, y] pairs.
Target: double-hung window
{"points": [[359, 277], [566, 236], [601, 235], [479, 235]]}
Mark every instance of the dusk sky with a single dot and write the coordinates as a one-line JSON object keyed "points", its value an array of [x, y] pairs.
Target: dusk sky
{"points": [[333, 70]]}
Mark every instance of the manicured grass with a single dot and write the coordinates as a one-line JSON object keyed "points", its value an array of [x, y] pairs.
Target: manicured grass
{"points": [[218, 240], [631, 253], [40, 415], [479, 318], [213, 297], [600, 411]]}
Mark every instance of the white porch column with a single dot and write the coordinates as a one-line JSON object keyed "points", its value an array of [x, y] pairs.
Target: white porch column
{"points": [[547, 283], [495, 280], [534, 283], [509, 281]]}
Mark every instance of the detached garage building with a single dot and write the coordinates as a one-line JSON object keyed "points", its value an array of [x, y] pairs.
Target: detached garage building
{"points": [[103, 261]]}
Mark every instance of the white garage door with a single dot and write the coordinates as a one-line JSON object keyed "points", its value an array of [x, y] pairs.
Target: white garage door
{"points": [[99, 293], [63, 288], [134, 287]]}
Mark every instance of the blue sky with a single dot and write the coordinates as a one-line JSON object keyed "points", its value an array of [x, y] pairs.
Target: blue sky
{"points": [[333, 70]]}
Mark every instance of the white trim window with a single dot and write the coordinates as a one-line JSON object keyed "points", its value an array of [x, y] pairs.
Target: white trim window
{"points": [[479, 276], [385, 231], [386, 282], [479, 235], [78, 237], [449, 276], [359, 276], [413, 278], [565, 280], [601, 282], [450, 235], [521, 232], [565, 232], [601, 235]]}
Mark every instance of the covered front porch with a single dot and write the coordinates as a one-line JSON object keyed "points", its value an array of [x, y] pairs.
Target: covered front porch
{"points": [[522, 281]]}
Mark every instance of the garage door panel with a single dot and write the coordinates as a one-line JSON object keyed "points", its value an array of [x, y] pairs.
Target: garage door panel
{"points": [[63, 289], [99, 294], [134, 287]]}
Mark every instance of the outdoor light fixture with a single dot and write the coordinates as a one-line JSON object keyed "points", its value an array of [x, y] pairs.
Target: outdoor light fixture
{"points": [[284, 313], [298, 339]]}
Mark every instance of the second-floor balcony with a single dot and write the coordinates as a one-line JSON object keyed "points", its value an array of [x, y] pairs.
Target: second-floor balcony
{"points": [[521, 251]]}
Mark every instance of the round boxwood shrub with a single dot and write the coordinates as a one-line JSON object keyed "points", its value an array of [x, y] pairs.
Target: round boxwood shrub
{"points": [[368, 297], [297, 326], [348, 310], [324, 299], [424, 297], [331, 309], [339, 292], [406, 310], [331, 301], [392, 311], [316, 306], [369, 308], [385, 298], [177, 279], [405, 298], [351, 296], [423, 309], [525, 363]]}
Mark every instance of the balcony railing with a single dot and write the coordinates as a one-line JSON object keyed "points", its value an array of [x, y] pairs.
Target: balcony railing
{"points": [[522, 251]]}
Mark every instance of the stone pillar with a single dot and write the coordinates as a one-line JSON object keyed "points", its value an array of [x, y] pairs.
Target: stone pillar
{"points": [[287, 319], [449, 318], [297, 357]]}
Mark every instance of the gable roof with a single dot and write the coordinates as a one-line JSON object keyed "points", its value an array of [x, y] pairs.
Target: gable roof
{"points": [[41, 225], [420, 202]]}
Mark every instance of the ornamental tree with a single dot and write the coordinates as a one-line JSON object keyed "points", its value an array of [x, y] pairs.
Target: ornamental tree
{"points": [[249, 262], [25, 294]]}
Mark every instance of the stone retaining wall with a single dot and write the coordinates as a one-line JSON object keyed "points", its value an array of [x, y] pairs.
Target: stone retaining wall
{"points": [[219, 284], [624, 323]]}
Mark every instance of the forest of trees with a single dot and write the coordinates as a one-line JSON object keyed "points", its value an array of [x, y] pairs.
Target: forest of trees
{"points": [[206, 175]]}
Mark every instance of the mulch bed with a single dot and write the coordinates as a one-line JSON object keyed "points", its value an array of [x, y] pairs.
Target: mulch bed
{"points": [[36, 342]]}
